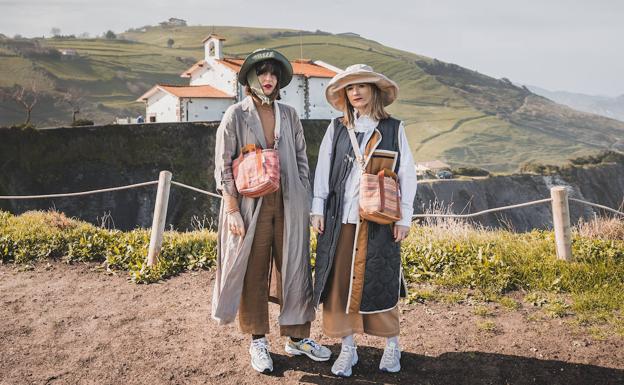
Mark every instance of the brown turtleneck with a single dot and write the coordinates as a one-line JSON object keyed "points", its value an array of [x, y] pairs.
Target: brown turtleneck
{"points": [[267, 118]]}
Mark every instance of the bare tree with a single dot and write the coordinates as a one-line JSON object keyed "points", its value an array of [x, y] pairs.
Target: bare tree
{"points": [[26, 97], [55, 31], [75, 98]]}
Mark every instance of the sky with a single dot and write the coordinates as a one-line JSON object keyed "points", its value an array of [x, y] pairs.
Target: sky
{"points": [[560, 45]]}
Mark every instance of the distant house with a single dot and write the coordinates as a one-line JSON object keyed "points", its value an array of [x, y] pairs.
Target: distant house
{"points": [[68, 52], [173, 22], [213, 87], [433, 166]]}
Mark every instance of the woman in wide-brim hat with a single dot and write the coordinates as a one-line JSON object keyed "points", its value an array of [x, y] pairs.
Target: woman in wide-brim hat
{"points": [[358, 276], [264, 242]]}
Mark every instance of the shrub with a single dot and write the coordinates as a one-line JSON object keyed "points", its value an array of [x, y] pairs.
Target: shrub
{"points": [[82, 122], [602, 157], [470, 171], [539, 168], [22, 126]]}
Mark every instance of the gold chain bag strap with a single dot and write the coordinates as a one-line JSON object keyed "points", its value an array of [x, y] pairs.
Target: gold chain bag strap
{"points": [[380, 196]]}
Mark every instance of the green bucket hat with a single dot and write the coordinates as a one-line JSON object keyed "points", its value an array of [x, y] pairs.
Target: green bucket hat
{"points": [[265, 54]]}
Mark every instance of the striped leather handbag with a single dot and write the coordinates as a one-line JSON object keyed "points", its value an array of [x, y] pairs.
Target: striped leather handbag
{"points": [[256, 171], [380, 196]]}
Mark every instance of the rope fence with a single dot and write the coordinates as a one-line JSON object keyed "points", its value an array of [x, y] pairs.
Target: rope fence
{"points": [[197, 189], [130, 186], [597, 205], [559, 201], [532, 203]]}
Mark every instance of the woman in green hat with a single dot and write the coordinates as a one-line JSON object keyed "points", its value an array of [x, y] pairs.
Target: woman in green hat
{"points": [[263, 243]]}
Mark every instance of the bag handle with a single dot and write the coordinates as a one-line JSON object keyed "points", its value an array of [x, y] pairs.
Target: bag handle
{"points": [[248, 148], [259, 168], [382, 190], [389, 173]]}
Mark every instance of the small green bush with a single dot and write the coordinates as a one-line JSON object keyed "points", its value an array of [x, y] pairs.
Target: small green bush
{"points": [[602, 157], [82, 122], [470, 171]]}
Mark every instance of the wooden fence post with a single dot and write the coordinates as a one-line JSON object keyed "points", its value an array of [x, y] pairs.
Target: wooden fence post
{"points": [[561, 222], [160, 215]]}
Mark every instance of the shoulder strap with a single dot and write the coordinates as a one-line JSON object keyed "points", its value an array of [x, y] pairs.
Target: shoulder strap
{"points": [[337, 125], [276, 131], [356, 147]]}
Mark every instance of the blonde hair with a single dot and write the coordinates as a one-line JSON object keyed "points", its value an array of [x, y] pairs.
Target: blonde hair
{"points": [[376, 108]]}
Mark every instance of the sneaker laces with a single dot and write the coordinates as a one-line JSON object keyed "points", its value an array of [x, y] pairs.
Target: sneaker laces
{"points": [[389, 354], [311, 342], [343, 361], [261, 348]]}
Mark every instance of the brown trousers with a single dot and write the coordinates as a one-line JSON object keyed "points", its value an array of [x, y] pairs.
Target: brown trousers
{"points": [[336, 322], [253, 313]]}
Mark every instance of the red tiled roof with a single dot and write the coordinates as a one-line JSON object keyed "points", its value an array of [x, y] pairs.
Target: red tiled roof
{"points": [[233, 64], [309, 69], [204, 91], [300, 67], [188, 72]]}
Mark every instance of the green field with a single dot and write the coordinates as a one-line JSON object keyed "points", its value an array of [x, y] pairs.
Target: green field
{"points": [[452, 114]]}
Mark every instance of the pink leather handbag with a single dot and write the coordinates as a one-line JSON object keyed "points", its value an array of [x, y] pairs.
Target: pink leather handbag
{"points": [[256, 171]]}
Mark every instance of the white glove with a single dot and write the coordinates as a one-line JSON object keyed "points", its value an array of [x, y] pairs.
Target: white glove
{"points": [[318, 223]]}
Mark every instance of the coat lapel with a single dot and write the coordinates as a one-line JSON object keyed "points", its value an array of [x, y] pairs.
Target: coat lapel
{"points": [[252, 120], [282, 122], [371, 146]]}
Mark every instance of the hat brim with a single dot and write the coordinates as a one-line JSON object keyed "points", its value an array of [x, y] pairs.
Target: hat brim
{"points": [[262, 55], [336, 95]]}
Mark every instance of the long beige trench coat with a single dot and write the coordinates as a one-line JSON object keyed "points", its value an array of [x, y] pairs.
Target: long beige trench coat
{"points": [[241, 126]]}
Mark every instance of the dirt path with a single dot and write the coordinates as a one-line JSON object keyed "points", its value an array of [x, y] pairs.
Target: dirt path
{"points": [[73, 325], [456, 125]]}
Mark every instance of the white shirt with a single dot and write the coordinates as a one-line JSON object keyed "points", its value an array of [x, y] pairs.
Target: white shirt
{"points": [[351, 214]]}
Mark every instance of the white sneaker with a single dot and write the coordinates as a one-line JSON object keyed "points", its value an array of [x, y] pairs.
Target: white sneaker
{"points": [[391, 359], [260, 357], [346, 360], [308, 347]]}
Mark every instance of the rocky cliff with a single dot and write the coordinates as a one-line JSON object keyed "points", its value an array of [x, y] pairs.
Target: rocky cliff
{"points": [[603, 184]]}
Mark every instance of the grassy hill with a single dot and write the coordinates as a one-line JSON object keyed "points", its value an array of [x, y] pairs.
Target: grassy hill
{"points": [[451, 113]]}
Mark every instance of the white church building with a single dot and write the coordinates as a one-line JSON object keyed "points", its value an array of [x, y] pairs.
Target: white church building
{"points": [[213, 87]]}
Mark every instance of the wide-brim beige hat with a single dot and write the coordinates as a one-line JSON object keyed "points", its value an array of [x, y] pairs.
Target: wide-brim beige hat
{"points": [[359, 73]]}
